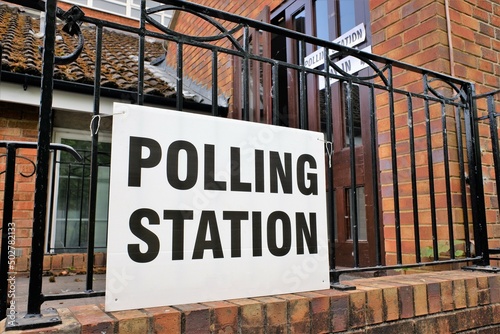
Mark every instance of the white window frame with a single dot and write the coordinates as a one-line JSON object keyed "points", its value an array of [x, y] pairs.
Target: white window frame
{"points": [[165, 16]]}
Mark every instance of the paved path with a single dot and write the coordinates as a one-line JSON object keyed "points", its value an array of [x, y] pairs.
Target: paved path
{"points": [[62, 285]]}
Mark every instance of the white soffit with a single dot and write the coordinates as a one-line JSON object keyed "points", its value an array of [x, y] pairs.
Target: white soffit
{"points": [[62, 100]]}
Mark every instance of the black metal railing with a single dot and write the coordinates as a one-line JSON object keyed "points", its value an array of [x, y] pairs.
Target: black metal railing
{"points": [[8, 246], [487, 106], [439, 106], [8, 254], [415, 130]]}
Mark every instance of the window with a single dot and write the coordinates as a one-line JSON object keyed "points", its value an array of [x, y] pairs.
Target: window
{"points": [[360, 211], [68, 222], [351, 93], [127, 8], [259, 78], [349, 14]]}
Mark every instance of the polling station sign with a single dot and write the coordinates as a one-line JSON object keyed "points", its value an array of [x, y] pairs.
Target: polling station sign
{"points": [[205, 208]]}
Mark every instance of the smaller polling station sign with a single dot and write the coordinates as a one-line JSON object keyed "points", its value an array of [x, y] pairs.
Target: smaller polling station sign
{"points": [[205, 208]]}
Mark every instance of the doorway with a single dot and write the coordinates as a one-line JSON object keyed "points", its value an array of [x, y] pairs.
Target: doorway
{"points": [[352, 214]]}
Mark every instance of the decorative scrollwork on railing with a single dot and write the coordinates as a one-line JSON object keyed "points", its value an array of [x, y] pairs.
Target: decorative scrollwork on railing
{"points": [[72, 17], [225, 33], [378, 72], [241, 45], [33, 165], [459, 92]]}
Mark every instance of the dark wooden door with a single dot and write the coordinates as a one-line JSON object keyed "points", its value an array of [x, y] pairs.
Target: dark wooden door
{"points": [[352, 188], [353, 213]]}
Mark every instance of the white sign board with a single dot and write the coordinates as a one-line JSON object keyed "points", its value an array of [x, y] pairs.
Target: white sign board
{"points": [[351, 38], [205, 208], [348, 64]]}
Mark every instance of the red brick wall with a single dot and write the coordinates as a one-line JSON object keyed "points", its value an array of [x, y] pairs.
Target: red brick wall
{"points": [[475, 27], [411, 31], [19, 123], [476, 48], [197, 62], [416, 32]]}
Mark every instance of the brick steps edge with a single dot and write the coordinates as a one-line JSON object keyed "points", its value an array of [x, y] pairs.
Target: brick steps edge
{"points": [[435, 302]]}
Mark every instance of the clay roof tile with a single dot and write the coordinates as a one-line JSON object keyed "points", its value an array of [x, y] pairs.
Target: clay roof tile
{"points": [[21, 54]]}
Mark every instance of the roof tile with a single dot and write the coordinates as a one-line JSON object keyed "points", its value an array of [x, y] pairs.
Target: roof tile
{"points": [[20, 54]]}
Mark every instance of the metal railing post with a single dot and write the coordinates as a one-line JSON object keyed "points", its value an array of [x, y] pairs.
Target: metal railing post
{"points": [[7, 225], [476, 180], [43, 155]]}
